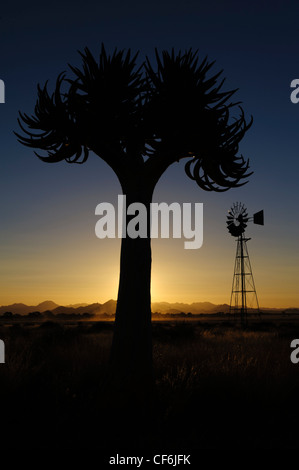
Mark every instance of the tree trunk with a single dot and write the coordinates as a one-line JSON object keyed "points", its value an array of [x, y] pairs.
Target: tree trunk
{"points": [[131, 353]]}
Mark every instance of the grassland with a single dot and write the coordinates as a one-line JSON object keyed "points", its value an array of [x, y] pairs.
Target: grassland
{"points": [[218, 386]]}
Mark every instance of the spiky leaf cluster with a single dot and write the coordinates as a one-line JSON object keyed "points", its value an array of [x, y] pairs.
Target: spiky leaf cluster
{"points": [[100, 109], [190, 117], [125, 113]]}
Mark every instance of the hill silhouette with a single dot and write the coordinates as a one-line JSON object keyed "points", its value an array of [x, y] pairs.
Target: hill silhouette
{"points": [[109, 308], [23, 309]]}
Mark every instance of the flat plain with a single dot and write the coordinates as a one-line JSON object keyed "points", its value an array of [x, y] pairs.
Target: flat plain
{"points": [[219, 385]]}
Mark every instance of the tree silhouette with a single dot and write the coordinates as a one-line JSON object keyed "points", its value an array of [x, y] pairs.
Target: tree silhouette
{"points": [[140, 120]]}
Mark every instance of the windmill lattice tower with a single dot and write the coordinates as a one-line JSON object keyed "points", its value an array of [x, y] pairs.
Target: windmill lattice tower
{"points": [[243, 295]]}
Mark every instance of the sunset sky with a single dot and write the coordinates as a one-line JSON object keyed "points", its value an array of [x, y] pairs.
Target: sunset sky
{"points": [[48, 246]]}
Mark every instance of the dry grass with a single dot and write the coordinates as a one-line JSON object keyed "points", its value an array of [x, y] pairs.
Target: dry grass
{"points": [[217, 386]]}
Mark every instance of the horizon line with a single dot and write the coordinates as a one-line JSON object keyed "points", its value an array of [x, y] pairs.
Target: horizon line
{"points": [[152, 302]]}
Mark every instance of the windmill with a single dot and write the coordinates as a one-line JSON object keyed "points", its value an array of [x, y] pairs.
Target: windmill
{"points": [[243, 288]]}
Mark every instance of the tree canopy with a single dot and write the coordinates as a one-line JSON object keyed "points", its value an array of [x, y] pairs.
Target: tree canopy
{"points": [[141, 119]]}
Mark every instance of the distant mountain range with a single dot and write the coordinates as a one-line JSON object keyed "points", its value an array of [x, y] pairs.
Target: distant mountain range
{"points": [[110, 307]]}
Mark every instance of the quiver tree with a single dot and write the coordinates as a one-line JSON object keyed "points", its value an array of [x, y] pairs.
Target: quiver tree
{"points": [[140, 120]]}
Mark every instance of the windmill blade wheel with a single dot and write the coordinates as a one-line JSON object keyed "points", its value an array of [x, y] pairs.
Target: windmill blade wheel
{"points": [[237, 219]]}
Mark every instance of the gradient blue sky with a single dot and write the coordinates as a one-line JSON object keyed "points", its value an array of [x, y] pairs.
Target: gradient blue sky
{"points": [[48, 248]]}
